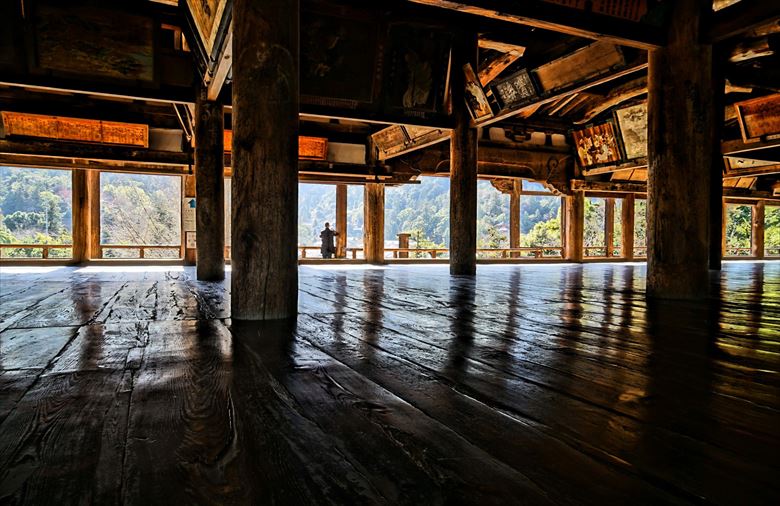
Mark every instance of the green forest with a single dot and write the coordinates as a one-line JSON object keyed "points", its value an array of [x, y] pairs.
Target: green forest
{"points": [[35, 208]]}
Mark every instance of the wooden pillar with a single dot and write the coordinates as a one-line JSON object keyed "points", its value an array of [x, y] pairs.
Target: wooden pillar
{"points": [[341, 221], [210, 189], [81, 223], [463, 164], [757, 231], [93, 194], [403, 242], [574, 226], [188, 191], [609, 226], [717, 230], [374, 223], [627, 228], [514, 216], [681, 120], [264, 283]]}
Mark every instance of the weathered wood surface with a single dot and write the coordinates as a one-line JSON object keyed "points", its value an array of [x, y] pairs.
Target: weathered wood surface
{"points": [[210, 189], [400, 385], [264, 225]]}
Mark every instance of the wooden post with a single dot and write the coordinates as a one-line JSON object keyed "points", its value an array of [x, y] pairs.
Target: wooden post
{"points": [[210, 189], [757, 230], [403, 242], [264, 282], [575, 226], [609, 226], [81, 222], [374, 223], [681, 118], [93, 203], [341, 221], [717, 230], [188, 191], [514, 216], [463, 164], [627, 228]]}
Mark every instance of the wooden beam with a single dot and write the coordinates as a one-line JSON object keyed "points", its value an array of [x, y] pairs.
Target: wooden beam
{"points": [[627, 219], [341, 221], [463, 165], [210, 189], [757, 229], [216, 80], [548, 16], [742, 17], [491, 69], [49, 162], [264, 281], [374, 223], [617, 96]]}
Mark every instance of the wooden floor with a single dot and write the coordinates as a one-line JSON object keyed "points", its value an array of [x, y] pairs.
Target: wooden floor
{"points": [[527, 385]]}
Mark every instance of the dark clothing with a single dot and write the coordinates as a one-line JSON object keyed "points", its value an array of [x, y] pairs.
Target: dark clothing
{"points": [[328, 248]]}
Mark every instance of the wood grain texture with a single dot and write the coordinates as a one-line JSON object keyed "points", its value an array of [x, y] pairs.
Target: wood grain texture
{"points": [[526, 384], [265, 159]]}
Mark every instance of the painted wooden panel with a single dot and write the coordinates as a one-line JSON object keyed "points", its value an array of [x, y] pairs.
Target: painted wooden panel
{"points": [[207, 15], [590, 61], [759, 117], [309, 148], [75, 129]]}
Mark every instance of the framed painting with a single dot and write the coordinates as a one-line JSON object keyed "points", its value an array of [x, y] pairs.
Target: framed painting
{"points": [[338, 57], [207, 15], [632, 123], [759, 117], [95, 42], [476, 100], [596, 145], [416, 68], [514, 90]]}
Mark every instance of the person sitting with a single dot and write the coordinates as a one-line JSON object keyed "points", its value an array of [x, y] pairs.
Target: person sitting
{"points": [[328, 249]]}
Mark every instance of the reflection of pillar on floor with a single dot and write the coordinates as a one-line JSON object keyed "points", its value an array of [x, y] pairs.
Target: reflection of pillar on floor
{"points": [[757, 230], [463, 164], [514, 216], [341, 220], [264, 282], [374, 223], [627, 228], [680, 138], [574, 226], [210, 189]]}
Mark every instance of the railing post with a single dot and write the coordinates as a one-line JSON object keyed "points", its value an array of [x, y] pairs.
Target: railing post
{"points": [[45, 252]]}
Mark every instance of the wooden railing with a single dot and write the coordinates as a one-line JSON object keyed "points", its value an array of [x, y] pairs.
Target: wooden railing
{"points": [[526, 252], [772, 251], [738, 252], [351, 252], [142, 249], [45, 250]]}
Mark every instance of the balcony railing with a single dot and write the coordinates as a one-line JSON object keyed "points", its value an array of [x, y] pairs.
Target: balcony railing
{"points": [[142, 249], [46, 251]]}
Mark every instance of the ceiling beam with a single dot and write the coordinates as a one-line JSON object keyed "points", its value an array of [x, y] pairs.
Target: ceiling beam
{"points": [[742, 17], [216, 79], [548, 16]]}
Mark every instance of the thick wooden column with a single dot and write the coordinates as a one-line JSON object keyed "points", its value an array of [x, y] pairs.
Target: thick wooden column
{"points": [[627, 228], [757, 231], [724, 219], [374, 223], [210, 188], [81, 223], [574, 224], [265, 159], [514, 216], [341, 221], [717, 230], [681, 118], [188, 191], [463, 164], [93, 235], [403, 242], [609, 226]]}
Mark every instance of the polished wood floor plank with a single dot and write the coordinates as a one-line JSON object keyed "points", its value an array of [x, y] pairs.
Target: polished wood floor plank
{"points": [[395, 385]]}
